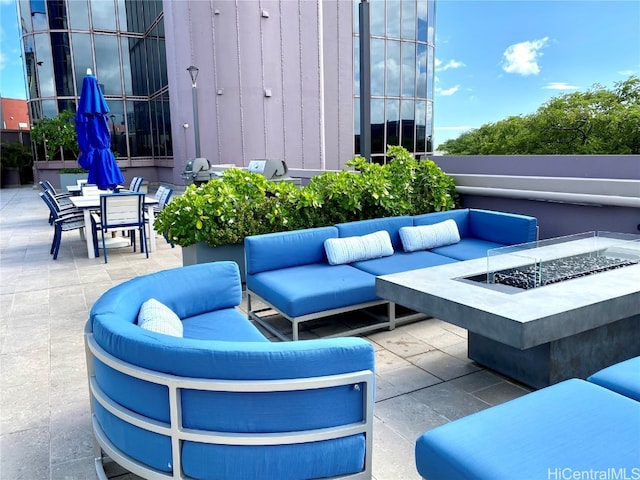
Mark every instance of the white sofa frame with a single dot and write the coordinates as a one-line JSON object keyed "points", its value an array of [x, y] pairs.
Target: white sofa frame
{"points": [[178, 434]]}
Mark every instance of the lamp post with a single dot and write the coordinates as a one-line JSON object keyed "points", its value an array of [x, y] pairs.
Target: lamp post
{"points": [[365, 80], [193, 73]]}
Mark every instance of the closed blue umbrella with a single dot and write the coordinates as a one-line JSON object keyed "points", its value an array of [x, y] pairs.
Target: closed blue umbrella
{"points": [[94, 138]]}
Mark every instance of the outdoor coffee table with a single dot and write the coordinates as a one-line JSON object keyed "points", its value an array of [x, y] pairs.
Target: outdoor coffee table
{"points": [[538, 336]]}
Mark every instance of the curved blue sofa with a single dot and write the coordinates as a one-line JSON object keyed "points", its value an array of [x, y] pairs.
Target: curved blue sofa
{"points": [[222, 402]]}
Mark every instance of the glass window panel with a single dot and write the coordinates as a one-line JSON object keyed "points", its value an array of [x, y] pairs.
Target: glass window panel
{"points": [[49, 108], [356, 17], [376, 17], [138, 57], [79, 15], [24, 7], [38, 15], [393, 18], [153, 60], [429, 127], [117, 128], [377, 66], [82, 57], [423, 6], [43, 67], [57, 14], [377, 126], [166, 112], [126, 66], [408, 115], [431, 31], [61, 54], [103, 14], [430, 69], [108, 63], [421, 62], [393, 68], [421, 125], [409, 19], [142, 141], [408, 69], [122, 15], [393, 122]]}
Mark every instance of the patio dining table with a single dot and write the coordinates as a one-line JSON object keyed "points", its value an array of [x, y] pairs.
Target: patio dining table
{"points": [[87, 203]]}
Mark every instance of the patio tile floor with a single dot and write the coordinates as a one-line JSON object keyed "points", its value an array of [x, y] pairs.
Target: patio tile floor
{"points": [[424, 378]]}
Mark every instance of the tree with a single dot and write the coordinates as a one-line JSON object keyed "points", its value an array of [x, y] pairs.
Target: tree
{"points": [[56, 136], [597, 121]]}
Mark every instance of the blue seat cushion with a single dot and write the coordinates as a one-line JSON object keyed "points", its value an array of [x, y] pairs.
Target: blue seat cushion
{"points": [[313, 288], [573, 426], [227, 325], [467, 249], [401, 262], [623, 377]]}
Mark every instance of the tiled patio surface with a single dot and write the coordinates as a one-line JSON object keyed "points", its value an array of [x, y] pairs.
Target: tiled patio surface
{"points": [[424, 378]]}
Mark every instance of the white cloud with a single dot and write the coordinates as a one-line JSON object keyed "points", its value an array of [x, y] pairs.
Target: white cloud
{"points": [[448, 65], [448, 92], [560, 86], [522, 58]]}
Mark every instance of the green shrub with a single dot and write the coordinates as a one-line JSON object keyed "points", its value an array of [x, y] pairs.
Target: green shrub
{"points": [[227, 209]]}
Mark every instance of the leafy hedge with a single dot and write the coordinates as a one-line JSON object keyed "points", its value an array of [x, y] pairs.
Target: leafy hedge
{"points": [[227, 209]]}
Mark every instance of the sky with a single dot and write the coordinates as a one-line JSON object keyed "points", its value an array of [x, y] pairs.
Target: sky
{"points": [[494, 58]]}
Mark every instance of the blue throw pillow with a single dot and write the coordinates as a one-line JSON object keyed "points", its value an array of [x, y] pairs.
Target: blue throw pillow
{"points": [[424, 237], [159, 318], [355, 249]]}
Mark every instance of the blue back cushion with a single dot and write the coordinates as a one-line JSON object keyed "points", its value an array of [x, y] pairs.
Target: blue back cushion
{"points": [[500, 227], [364, 227], [460, 216], [273, 251]]}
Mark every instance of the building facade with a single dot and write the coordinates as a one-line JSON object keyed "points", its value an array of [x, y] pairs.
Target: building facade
{"points": [[276, 78]]}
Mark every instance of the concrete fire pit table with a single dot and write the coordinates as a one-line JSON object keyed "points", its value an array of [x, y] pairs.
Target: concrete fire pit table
{"points": [[538, 336]]}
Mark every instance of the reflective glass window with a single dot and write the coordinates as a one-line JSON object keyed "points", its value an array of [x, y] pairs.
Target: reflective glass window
{"points": [[126, 66], [138, 61], [122, 15], [356, 17], [57, 14], [393, 18], [393, 68], [376, 17], [421, 64], [393, 122], [408, 69], [429, 127], [431, 31], [409, 19], [108, 63], [377, 126], [421, 125], [103, 14], [79, 15], [423, 9], [24, 7], [408, 122], [429, 69], [49, 108], [377, 66], [117, 127], [140, 130], [38, 15], [61, 54], [44, 69], [82, 57]]}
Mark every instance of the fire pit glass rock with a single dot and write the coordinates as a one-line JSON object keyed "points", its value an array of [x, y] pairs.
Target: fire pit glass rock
{"points": [[559, 259]]}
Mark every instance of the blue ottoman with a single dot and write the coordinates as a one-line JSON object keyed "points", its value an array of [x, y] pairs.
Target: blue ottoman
{"points": [[557, 432], [623, 377]]}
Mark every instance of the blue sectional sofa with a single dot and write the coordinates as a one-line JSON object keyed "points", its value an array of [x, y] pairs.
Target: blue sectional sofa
{"points": [[290, 272], [216, 399], [573, 429]]}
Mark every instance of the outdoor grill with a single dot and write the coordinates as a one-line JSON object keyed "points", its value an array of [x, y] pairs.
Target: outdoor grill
{"points": [[199, 171]]}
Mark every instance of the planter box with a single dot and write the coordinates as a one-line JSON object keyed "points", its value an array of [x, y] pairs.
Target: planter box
{"points": [[67, 179], [203, 253]]}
